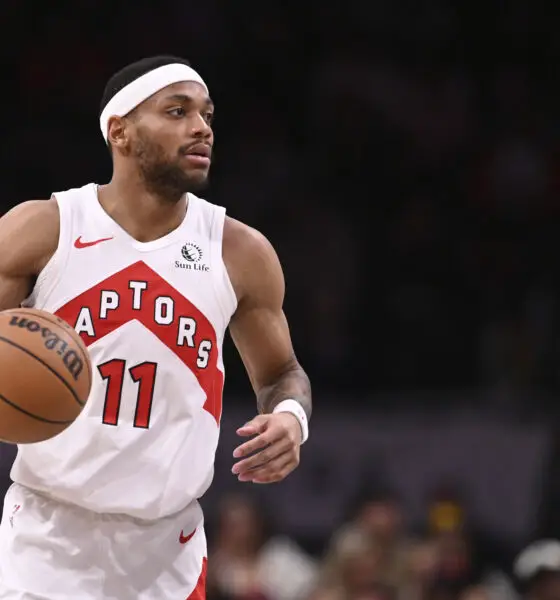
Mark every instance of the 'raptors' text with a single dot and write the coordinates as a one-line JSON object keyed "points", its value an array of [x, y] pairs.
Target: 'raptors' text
{"points": [[162, 310], [139, 293]]}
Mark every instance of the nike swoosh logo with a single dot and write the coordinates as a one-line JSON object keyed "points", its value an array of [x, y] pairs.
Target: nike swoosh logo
{"points": [[183, 539], [79, 244]]}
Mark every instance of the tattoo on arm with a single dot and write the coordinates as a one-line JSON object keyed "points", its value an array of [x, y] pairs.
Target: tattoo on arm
{"points": [[290, 383]]}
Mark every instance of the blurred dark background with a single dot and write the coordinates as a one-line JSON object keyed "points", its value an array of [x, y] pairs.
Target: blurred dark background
{"points": [[404, 159]]}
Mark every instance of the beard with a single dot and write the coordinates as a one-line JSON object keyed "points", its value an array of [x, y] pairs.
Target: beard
{"points": [[162, 175]]}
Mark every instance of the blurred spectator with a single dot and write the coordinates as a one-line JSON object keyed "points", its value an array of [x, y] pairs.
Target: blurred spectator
{"points": [[537, 569], [455, 570], [249, 563], [376, 534], [355, 572], [423, 571]]}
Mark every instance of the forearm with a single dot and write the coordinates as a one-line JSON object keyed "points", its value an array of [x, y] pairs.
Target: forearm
{"points": [[291, 383]]}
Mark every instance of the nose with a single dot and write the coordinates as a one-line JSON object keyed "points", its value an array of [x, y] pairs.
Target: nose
{"points": [[200, 127]]}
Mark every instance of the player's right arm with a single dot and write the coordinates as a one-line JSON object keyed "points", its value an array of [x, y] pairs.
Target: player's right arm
{"points": [[28, 239]]}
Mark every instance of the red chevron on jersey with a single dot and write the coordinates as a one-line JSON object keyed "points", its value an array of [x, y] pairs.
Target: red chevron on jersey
{"points": [[139, 293]]}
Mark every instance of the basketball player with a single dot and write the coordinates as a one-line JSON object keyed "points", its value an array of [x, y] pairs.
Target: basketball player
{"points": [[150, 275]]}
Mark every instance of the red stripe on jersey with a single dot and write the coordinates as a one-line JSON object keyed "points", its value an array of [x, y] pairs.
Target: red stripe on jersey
{"points": [[210, 378], [199, 592]]}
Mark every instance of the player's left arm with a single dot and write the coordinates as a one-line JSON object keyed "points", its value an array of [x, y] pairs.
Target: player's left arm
{"points": [[261, 334]]}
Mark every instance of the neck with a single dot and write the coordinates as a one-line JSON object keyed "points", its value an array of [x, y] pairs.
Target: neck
{"points": [[143, 214]]}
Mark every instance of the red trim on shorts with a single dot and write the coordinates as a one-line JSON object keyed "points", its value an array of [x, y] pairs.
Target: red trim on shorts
{"points": [[199, 592]]}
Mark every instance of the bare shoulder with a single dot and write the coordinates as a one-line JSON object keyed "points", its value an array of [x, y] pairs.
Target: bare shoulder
{"points": [[245, 242], [252, 263], [29, 236]]}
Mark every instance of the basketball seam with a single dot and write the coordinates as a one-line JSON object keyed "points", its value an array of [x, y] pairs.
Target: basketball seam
{"points": [[30, 414], [55, 322], [41, 361]]}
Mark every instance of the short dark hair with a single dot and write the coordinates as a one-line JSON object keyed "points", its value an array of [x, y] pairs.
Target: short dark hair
{"points": [[131, 72]]}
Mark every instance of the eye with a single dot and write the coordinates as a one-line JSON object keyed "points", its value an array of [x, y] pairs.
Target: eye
{"points": [[208, 117], [177, 112]]}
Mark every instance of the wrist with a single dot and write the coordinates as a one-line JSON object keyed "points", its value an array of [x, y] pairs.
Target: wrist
{"points": [[295, 408]]}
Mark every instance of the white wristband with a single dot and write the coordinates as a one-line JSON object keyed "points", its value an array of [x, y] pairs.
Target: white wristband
{"points": [[294, 407]]}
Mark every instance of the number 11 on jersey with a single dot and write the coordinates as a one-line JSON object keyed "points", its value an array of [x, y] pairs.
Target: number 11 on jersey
{"points": [[143, 374]]}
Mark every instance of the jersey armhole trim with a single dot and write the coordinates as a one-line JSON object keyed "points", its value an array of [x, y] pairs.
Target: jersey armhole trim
{"points": [[56, 265], [222, 281]]}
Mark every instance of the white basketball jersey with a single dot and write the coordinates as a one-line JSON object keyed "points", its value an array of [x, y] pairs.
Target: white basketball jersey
{"points": [[153, 316]]}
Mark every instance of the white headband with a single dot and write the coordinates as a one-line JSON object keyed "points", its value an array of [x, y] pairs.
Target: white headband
{"points": [[142, 88]]}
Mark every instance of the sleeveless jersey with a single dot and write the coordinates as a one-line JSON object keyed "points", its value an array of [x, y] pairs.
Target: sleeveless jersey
{"points": [[153, 316]]}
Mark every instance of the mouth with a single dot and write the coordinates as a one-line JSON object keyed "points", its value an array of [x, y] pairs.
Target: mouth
{"points": [[196, 160], [198, 155]]}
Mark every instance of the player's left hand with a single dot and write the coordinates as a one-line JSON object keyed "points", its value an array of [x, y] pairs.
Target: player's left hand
{"points": [[274, 451]]}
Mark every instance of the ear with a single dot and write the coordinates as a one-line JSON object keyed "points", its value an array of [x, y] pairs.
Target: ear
{"points": [[117, 133]]}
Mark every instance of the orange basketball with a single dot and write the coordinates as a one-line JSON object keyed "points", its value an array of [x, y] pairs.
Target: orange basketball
{"points": [[45, 375]]}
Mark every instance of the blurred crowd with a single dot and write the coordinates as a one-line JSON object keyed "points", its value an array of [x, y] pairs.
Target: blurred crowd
{"points": [[402, 156], [372, 556]]}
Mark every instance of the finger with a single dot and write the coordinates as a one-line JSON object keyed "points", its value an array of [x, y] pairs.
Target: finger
{"points": [[254, 445], [253, 427], [273, 471], [257, 443], [270, 453]]}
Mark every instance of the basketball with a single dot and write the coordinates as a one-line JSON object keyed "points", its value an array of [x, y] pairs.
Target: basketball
{"points": [[45, 375]]}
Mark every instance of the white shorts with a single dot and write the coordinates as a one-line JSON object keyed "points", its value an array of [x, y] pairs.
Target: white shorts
{"points": [[55, 551]]}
